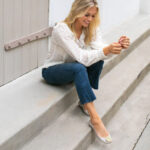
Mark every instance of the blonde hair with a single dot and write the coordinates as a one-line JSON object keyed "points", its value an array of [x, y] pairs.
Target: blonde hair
{"points": [[79, 8]]}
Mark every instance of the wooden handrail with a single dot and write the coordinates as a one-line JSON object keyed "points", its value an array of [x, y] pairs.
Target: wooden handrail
{"points": [[29, 38]]}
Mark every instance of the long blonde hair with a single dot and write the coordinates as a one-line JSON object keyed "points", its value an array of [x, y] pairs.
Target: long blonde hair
{"points": [[78, 9]]}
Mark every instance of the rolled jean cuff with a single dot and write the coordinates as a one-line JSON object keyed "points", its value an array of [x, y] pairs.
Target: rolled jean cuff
{"points": [[88, 101], [88, 95]]}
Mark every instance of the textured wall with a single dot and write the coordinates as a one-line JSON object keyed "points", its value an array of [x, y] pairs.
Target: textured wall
{"points": [[145, 6], [19, 18], [112, 12], [115, 12]]}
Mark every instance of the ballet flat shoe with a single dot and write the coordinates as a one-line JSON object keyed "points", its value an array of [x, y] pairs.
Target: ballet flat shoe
{"points": [[106, 140], [82, 108]]}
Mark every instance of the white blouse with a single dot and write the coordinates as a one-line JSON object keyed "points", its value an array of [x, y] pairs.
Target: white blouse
{"points": [[65, 47]]}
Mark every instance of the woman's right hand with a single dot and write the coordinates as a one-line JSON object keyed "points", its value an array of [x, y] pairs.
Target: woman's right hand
{"points": [[114, 48]]}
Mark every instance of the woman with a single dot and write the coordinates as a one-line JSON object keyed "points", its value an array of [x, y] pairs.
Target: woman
{"points": [[76, 55]]}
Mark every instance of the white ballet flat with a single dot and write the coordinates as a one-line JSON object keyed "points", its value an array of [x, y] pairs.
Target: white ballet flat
{"points": [[106, 140], [82, 108]]}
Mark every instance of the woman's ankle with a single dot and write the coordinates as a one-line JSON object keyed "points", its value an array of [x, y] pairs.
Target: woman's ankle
{"points": [[95, 120]]}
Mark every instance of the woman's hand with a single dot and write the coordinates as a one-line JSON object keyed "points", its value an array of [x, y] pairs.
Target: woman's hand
{"points": [[114, 48], [124, 41]]}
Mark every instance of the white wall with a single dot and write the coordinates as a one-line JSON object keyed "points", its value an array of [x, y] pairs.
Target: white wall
{"points": [[145, 6], [1, 44], [19, 18], [59, 10], [113, 12]]}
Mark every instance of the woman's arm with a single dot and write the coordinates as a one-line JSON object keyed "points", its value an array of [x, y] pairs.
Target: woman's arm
{"points": [[114, 48], [98, 43], [84, 56]]}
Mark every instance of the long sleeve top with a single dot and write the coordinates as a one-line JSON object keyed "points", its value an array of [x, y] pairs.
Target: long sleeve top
{"points": [[65, 47]]}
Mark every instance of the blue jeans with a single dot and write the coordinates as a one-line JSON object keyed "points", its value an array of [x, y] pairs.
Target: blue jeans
{"points": [[83, 77]]}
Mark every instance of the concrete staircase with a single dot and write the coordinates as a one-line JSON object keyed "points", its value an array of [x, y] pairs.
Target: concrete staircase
{"points": [[127, 126], [35, 115]]}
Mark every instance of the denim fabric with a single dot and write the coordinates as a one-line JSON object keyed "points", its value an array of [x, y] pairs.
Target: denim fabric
{"points": [[83, 77]]}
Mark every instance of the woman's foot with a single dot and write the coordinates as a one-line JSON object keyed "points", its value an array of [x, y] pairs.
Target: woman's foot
{"points": [[99, 127], [100, 131], [83, 108]]}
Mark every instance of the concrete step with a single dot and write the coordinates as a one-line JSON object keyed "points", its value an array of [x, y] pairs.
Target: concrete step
{"points": [[137, 34], [28, 105], [71, 131], [126, 127], [143, 141]]}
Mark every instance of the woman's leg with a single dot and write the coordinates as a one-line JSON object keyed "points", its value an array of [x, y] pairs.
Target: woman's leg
{"points": [[68, 72], [96, 120], [65, 73], [94, 72]]}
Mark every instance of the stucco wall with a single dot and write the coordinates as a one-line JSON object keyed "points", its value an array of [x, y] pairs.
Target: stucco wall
{"points": [[145, 6], [112, 12], [115, 12]]}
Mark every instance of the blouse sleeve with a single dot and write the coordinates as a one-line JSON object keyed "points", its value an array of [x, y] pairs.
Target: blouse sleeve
{"points": [[64, 38], [98, 43]]}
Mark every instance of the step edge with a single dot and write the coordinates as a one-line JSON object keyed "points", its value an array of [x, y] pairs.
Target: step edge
{"points": [[137, 80], [114, 108]]}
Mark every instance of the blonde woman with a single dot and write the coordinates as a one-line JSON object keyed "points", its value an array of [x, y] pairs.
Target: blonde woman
{"points": [[77, 55]]}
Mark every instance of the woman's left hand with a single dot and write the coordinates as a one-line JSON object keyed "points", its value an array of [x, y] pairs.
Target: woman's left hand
{"points": [[124, 41]]}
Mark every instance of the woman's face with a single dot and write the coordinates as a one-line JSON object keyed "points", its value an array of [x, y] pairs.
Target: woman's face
{"points": [[88, 17]]}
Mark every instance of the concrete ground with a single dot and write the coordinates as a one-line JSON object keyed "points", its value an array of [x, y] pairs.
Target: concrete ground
{"points": [[143, 142], [130, 127]]}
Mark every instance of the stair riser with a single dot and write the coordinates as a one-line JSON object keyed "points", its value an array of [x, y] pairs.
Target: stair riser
{"points": [[126, 94], [83, 144], [125, 53], [33, 129], [106, 118]]}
